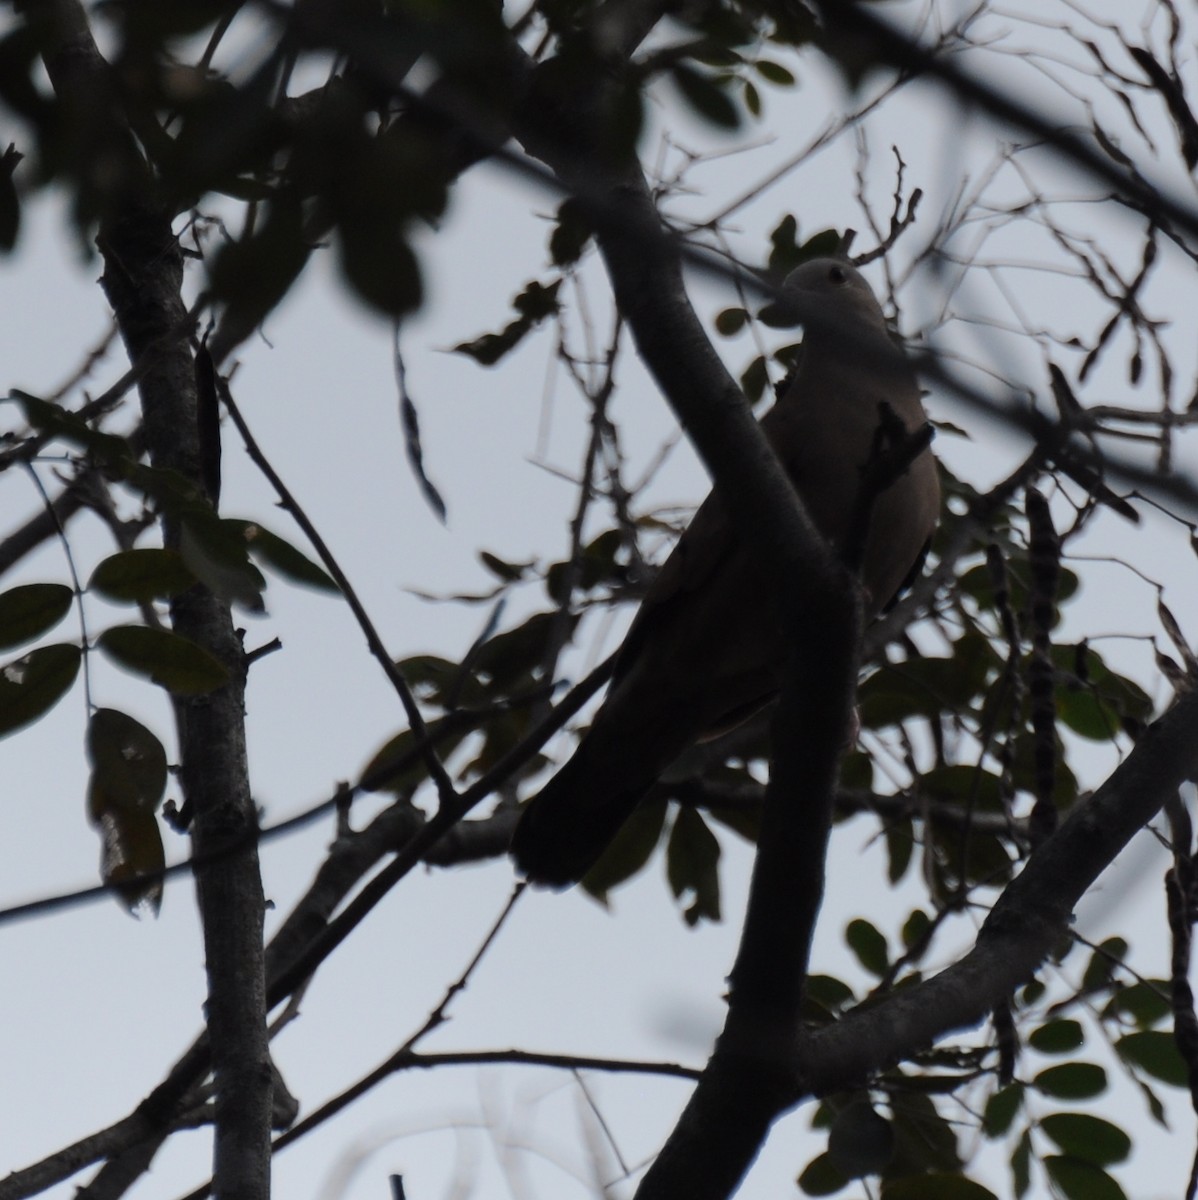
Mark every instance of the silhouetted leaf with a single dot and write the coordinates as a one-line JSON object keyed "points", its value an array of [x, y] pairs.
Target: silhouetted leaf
{"points": [[935, 1187], [861, 1140], [629, 851], [1072, 1081], [282, 557], [705, 96], [692, 862], [822, 1177], [1155, 1051], [1081, 1180], [868, 945], [217, 553], [139, 576], [1057, 1037], [165, 658], [1083, 1136], [1001, 1109], [31, 685], [31, 609]]}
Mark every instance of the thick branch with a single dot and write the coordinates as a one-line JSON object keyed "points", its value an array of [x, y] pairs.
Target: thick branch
{"points": [[143, 274]]}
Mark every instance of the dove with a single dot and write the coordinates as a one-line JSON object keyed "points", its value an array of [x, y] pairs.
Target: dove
{"points": [[707, 646]]}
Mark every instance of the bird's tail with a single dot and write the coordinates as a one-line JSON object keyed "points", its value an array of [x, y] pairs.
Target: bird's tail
{"points": [[564, 830]]}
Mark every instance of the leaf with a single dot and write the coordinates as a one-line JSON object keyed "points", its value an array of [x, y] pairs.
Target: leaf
{"points": [[1083, 1136], [216, 552], [31, 609], [822, 1177], [397, 766], [283, 558], [1071, 1081], [868, 945], [1155, 1051], [1146, 1002], [131, 845], [731, 321], [861, 1140], [508, 572], [706, 96], [1081, 1180], [824, 998], [30, 686], [628, 852], [692, 860], [380, 266], [139, 576], [774, 73], [1021, 1165], [1001, 1110], [128, 761], [165, 658], [127, 784], [1057, 1037]]}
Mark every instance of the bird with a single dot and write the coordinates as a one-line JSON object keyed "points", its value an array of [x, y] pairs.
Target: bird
{"points": [[707, 646]]}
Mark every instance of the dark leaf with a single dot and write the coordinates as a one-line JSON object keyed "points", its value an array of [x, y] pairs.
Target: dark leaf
{"points": [[165, 658], [30, 686], [139, 576], [822, 1177], [692, 866], [30, 609], [380, 266], [1146, 1002], [629, 851], [410, 423], [1155, 1051], [731, 321], [1081, 1180], [1083, 1136], [861, 1140], [131, 846], [216, 552], [1001, 1110], [825, 997], [283, 558], [1057, 1037], [868, 945], [705, 96], [128, 762], [774, 72], [1071, 1081], [1021, 1165]]}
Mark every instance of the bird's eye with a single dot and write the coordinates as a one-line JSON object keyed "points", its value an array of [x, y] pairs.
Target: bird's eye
{"points": [[837, 275]]}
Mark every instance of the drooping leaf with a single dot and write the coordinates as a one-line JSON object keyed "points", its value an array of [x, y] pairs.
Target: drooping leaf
{"points": [[282, 557], [127, 783], [629, 851], [128, 761], [30, 686], [141, 575], [825, 998], [31, 609], [165, 658], [692, 866], [1146, 1002]]}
